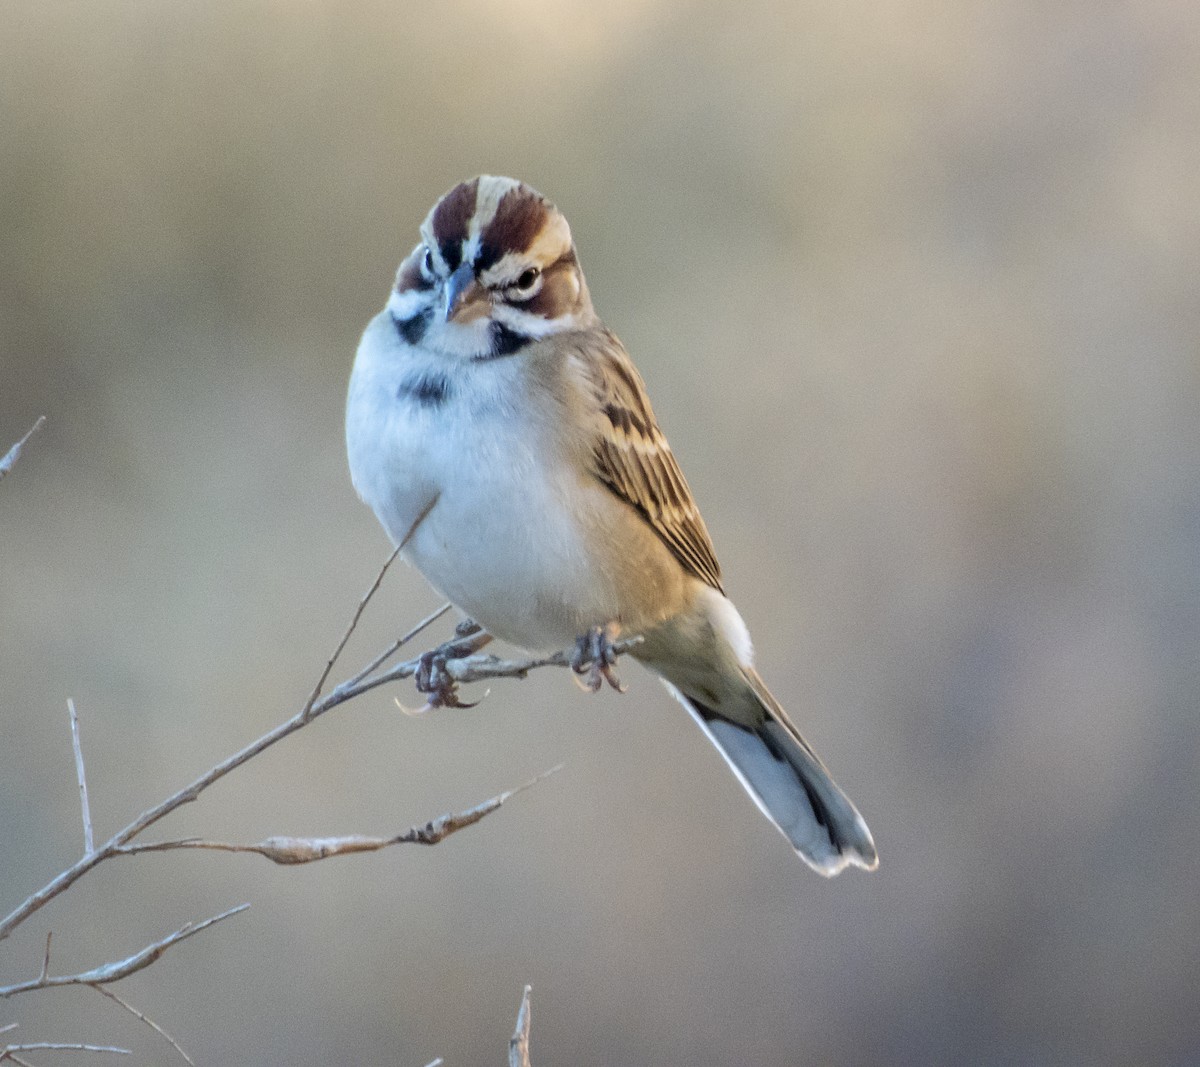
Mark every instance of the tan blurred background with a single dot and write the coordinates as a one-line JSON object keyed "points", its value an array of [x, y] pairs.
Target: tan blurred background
{"points": [[914, 287]]}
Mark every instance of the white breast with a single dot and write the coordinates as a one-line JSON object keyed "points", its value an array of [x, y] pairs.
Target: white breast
{"points": [[504, 540]]}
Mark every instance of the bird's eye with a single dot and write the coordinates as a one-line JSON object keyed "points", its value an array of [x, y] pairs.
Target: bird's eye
{"points": [[528, 278], [427, 262]]}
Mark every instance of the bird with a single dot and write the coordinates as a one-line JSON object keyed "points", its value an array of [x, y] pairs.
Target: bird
{"points": [[505, 441]]}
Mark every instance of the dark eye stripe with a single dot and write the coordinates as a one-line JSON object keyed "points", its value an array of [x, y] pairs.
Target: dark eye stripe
{"points": [[556, 296]]}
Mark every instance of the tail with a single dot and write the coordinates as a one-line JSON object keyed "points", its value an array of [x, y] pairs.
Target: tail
{"points": [[786, 779]]}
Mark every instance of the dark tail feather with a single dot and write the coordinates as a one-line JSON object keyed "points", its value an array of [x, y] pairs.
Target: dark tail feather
{"points": [[789, 783]]}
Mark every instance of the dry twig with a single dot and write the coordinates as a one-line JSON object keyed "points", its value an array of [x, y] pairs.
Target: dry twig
{"points": [[8, 1052], [362, 604], [118, 969], [518, 1044], [146, 1019], [289, 851], [14, 453], [89, 844]]}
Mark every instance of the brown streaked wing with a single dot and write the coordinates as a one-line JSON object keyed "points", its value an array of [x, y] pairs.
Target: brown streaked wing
{"points": [[633, 459]]}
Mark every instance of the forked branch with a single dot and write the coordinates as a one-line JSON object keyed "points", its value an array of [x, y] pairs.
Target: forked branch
{"points": [[468, 669], [115, 971]]}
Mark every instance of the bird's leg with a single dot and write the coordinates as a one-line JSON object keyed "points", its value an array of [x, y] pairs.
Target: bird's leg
{"points": [[594, 658], [431, 677]]}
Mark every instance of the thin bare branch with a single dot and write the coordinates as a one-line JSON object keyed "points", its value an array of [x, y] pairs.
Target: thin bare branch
{"points": [[57, 1046], [436, 1063], [362, 604], [289, 851], [146, 1019], [7, 1027], [46, 955], [518, 1045], [14, 453], [89, 844], [115, 971]]}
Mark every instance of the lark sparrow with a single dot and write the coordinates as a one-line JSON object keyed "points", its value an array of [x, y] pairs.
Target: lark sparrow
{"points": [[504, 439]]}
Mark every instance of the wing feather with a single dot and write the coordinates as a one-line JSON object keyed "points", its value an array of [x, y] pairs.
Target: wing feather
{"points": [[632, 458]]}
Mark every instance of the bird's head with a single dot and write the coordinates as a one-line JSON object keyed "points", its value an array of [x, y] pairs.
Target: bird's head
{"points": [[495, 270]]}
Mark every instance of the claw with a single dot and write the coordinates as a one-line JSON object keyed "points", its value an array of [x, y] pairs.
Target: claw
{"points": [[594, 659], [431, 676], [414, 713]]}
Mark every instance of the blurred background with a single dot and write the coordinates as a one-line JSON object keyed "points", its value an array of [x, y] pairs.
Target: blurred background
{"points": [[914, 289]]}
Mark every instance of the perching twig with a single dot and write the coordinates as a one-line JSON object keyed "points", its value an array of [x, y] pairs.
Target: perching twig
{"points": [[475, 668], [146, 1019], [518, 1044], [14, 453], [89, 845], [118, 969]]}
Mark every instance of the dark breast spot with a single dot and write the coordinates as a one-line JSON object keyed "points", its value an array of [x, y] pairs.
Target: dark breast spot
{"points": [[429, 389], [412, 330]]}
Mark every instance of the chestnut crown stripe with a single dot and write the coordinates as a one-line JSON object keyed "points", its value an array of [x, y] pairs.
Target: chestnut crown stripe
{"points": [[451, 218], [518, 215]]}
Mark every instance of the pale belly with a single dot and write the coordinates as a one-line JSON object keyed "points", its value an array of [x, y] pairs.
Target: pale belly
{"points": [[513, 558]]}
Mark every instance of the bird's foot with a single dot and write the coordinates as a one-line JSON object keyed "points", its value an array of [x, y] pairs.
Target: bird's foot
{"points": [[432, 678], [594, 658]]}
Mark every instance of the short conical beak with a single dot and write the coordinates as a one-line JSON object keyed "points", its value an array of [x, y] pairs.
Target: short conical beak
{"points": [[465, 297]]}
